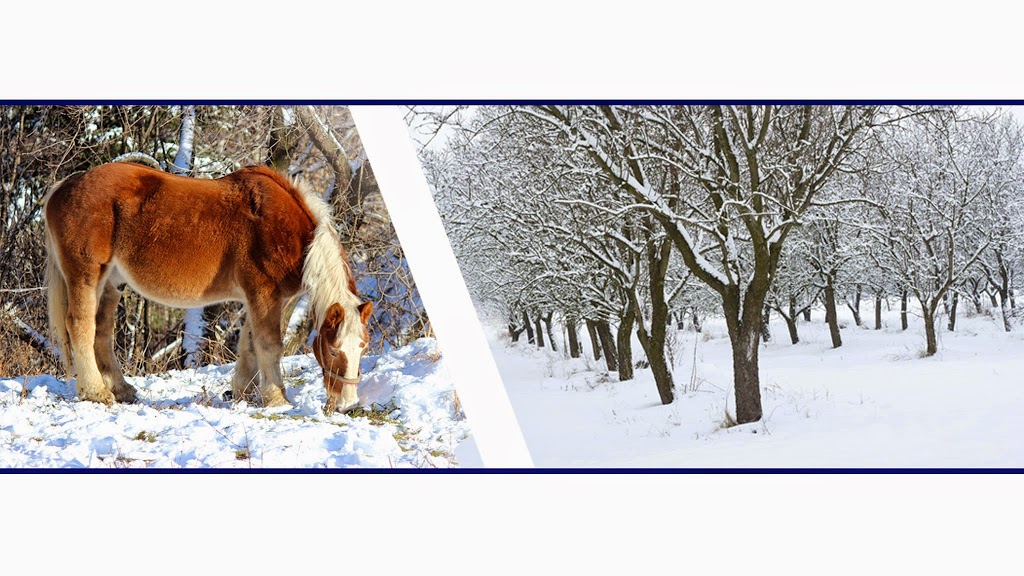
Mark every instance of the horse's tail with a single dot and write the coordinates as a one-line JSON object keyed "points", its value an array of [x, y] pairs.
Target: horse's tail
{"points": [[139, 158], [57, 295]]}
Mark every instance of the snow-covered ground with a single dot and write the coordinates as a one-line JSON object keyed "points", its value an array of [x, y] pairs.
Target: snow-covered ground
{"points": [[408, 417], [874, 402]]}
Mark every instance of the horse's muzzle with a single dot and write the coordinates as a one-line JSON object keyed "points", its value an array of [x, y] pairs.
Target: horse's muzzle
{"points": [[342, 393]]}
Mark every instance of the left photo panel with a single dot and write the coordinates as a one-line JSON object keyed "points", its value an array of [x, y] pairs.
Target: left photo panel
{"points": [[209, 287]]}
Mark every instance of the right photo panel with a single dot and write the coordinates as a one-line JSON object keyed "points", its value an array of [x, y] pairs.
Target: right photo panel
{"points": [[744, 286]]}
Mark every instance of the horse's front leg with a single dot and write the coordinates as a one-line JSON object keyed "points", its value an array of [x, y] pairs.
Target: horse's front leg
{"points": [[265, 321], [245, 382]]}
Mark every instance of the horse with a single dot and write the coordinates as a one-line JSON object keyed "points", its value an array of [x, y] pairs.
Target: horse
{"points": [[253, 236]]}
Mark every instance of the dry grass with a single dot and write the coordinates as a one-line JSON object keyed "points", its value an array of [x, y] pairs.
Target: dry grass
{"points": [[728, 420], [16, 355]]}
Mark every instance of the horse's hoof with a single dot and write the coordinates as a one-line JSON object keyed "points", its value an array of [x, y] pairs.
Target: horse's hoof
{"points": [[125, 394], [277, 401], [247, 395], [103, 396]]}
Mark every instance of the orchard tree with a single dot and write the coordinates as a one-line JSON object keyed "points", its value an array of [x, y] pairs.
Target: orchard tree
{"points": [[746, 176], [935, 222]]}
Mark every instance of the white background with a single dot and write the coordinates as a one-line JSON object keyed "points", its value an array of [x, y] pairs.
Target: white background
{"points": [[477, 524]]}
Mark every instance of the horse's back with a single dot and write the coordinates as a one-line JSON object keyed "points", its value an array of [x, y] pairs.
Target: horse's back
{"points": [[230, 206]]}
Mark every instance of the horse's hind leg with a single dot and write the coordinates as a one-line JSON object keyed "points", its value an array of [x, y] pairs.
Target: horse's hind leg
{"points": [[265, 321], [245, 382], [106, 324], [83, 299]]}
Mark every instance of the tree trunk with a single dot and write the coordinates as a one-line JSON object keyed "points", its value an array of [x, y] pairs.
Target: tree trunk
{"points": [[538, 331], [324, 139], [284, 138], [514, 328], [766, 333], [903, 310], [744, 333], [604, 333], [529, 328], [746, 378], [878, 311], [551, 335], [855, 306], [696, 322], [931, 342], [829, 297], [660, 369], [654, 341], [574, 343], [594, 342], [624, 345], [186, 139], [791, 320], [952, 312], [194, 324], [807, 314], [1003, 310], [791, 325], [992, 297]]}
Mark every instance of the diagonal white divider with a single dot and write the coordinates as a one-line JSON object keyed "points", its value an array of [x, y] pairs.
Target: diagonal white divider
{"points": [[390, 149]]}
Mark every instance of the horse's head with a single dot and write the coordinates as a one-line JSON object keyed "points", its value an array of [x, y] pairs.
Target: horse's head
{"points": [[338, 348]]}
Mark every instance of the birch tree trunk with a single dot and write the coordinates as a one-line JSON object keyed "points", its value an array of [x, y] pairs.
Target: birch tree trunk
{"points": [[195, 324]]}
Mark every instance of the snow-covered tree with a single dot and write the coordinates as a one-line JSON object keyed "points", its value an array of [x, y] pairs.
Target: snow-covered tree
{"points": [[746, 175], [935, 217]]}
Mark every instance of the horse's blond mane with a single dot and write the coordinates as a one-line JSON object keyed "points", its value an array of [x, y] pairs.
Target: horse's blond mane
{"points": [[326, 274]]}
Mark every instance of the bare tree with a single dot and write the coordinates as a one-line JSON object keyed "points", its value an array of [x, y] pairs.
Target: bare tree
{"points": [[935, 225], [751, 172]]}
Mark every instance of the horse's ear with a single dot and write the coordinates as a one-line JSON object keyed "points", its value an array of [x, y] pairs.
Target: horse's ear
{"points": [[335, 314], [365, 309]]}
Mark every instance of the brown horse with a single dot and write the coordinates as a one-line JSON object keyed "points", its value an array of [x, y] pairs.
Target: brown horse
{"points": [[252, 236]]}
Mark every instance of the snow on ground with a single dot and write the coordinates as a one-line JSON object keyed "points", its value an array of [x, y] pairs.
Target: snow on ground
{"points": [[408, 417], [874, 402]]}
